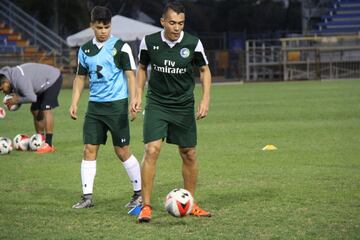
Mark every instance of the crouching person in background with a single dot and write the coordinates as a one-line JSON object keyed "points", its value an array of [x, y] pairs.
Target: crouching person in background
{"points": [[38, 84]]}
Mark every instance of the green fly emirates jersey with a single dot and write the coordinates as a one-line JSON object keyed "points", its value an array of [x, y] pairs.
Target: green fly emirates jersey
{"points": [[171, 83], [105, 64]]}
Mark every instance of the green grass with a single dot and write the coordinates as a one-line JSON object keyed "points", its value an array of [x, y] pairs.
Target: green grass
{"points": [[308, 189]]}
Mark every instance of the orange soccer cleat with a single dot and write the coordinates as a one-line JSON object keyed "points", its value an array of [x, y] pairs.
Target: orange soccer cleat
{"points": [[46, 148], [145, 214], [198, 212]]}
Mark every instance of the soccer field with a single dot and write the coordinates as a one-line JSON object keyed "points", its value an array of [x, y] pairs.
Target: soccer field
{"points": [[307, 189]]}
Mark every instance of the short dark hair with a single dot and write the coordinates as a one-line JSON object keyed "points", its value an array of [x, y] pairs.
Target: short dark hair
{"points": [[2, 78], [175, 6], [101, 14]]}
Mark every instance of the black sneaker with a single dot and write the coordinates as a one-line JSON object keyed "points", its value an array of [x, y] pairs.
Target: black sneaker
{"points": [[84, 203], [135, 200]]}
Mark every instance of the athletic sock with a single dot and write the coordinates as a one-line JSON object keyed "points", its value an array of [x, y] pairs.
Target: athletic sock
{"points": [[132, 168], [88, 172], [88, 196], [48, 138]]}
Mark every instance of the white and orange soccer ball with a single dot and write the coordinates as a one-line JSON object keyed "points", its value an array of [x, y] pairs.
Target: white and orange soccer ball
{"points": [[13, 107], [21, 142], [179, 202], [5, 145], [36, 141]]}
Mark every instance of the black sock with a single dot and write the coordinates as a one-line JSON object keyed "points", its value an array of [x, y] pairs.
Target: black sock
{"points": [[137, 192], [48, 138]]}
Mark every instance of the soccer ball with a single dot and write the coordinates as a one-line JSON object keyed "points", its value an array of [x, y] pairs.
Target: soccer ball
{"points": [[36, 141], [21, 142], [5, 145], [2, 113], [179, 202], [13, 107]]}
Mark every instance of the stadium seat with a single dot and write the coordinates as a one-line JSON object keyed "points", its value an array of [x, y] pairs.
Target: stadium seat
{"points": [[8, 43], [5, 30], [12, 44], [25, 39], [343, 18]]}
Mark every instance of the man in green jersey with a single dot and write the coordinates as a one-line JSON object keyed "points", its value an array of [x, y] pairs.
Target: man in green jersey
{"points": [[169, 112]]}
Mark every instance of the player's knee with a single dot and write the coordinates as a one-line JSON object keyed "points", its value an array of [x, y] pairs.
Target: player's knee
{"points": [[123, 152], [38, 115], [188, 153], [152, 151], [90, 152]]}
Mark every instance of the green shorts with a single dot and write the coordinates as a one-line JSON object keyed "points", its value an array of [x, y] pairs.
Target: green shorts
{"points": [[177, 127], [101, 118]]}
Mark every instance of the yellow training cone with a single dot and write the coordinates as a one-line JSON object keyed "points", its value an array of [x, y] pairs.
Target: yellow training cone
{"points": [[269, 147]]}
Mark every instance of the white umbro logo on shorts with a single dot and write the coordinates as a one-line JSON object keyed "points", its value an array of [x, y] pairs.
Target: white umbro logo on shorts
{"points": [[47, 107], [123, 140]]}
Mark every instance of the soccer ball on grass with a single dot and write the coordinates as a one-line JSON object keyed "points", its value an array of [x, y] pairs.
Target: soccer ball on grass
{"points": [[21, 142], [179, 202], [2, 113], [5, 145], [36, 141]]}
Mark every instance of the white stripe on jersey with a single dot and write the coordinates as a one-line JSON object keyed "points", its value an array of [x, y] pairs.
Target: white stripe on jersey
{"points": [[142, 47], [200, 48], [78, 66], [21, 70], [126, 48]]}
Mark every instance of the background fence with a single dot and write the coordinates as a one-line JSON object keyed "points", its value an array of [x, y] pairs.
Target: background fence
{"points": [[331, 57]]}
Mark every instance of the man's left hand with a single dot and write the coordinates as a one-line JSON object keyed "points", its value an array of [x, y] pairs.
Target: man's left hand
{"points": [[202, 110]]}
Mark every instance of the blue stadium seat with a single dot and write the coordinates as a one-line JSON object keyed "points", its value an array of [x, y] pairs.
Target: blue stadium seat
{"points": [[342, 24], [348, 1], [343, 18], [10, 49], [8, 43]]}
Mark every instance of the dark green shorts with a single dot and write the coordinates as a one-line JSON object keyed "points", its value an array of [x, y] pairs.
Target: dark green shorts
{"points": [[177, 127], [97, 125]]}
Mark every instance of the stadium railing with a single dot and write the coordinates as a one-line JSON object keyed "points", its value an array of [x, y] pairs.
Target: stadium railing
{"points": [[40, 44], [303, 58]]}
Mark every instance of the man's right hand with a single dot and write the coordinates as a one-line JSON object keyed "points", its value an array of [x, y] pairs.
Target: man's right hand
{"points": [[73, 112]]}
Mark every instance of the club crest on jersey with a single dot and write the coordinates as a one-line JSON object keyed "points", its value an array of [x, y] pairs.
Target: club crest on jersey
{"points": [[185, 52], [114, 51]]}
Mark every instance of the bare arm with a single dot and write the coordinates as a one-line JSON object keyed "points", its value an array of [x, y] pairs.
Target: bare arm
{"points": [[132, 91], [205, 79], [141, 77], [78, 87]]}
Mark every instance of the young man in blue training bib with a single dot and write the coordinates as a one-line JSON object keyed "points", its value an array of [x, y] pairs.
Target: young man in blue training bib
{"points": [[109, 64]]}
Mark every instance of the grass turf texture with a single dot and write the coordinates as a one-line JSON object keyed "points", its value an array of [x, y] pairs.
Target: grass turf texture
{"points": [[307, 189]]}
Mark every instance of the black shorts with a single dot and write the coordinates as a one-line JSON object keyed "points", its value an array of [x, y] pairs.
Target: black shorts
{"points": [[49, 99]]}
